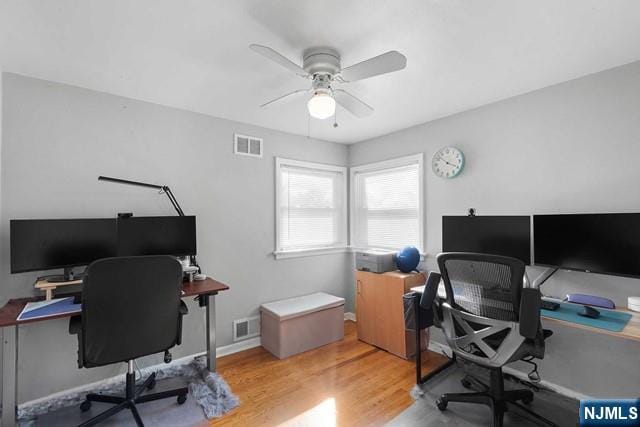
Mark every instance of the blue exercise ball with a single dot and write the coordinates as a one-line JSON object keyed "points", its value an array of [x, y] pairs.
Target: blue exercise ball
{"points": [[408, 259]]}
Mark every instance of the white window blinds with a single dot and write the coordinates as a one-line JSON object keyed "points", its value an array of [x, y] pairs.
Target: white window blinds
{"points": [[311, 207], [387, 204]]}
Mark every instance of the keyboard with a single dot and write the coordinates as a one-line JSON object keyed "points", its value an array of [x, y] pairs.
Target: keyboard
{"points": [[549, 305]]}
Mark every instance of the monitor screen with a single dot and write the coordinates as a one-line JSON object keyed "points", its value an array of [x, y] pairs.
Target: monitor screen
{"points": [[44, 244], [496, 235], [598, 243], [157, 235]]}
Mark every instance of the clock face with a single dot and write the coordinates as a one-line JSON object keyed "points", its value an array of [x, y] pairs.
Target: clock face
{"points": [[448, 162]]}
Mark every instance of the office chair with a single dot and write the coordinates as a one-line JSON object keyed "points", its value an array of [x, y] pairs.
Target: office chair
{"points": [[131, 307], [490, 320]]}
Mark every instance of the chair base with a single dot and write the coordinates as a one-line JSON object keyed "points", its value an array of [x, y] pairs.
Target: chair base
{"points": [[494, 396], [133, 395]]}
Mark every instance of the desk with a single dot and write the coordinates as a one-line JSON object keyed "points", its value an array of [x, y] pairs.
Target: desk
{"points": [[630, 332], [205, 290]]}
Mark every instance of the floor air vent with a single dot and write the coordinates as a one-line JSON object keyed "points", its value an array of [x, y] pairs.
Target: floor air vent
{"points": [[247, 145], [246, 328]]}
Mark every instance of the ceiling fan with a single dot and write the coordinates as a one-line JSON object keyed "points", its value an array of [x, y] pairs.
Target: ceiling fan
{"points": [[322, 66]]}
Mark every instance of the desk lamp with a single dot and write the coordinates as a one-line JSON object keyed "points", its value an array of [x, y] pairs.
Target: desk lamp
{"points": [[163, 189]]}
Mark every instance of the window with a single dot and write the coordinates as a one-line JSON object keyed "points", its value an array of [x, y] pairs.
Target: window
{"points": [[387, 206], [311, 214]]}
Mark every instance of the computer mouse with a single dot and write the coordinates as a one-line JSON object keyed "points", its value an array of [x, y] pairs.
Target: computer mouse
{"points": [[589, 312]]}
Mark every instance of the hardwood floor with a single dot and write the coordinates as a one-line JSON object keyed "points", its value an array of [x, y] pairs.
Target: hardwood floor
{"points": [[347, 383]]}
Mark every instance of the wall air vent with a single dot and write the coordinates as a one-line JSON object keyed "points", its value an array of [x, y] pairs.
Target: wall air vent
{"points": [[246, 328], [245, 145]]}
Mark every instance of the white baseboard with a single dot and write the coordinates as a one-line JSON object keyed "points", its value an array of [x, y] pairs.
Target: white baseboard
{"points": [[350, 316], [86, 388], [443, 348], [236, 347]]}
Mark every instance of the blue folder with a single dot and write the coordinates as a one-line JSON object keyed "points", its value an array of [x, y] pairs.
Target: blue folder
{"points": [[39, 309], [611, 320]]}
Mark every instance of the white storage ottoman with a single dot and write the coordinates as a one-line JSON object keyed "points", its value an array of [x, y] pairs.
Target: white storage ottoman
{"points": [[295, 325]]}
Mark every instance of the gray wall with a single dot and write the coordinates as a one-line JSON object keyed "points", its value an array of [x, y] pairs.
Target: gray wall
{"points": [[57, 139], [569, 148]]}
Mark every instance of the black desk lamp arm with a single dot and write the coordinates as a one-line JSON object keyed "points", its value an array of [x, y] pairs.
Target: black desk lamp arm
{"points": [[163, 188], [173, 200]]}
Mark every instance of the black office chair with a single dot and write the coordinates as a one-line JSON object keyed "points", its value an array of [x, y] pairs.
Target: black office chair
{"points": [[131, 307], [490, 320]]}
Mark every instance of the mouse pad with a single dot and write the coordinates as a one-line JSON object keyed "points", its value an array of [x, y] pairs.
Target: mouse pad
{"points": [[610, 320]]}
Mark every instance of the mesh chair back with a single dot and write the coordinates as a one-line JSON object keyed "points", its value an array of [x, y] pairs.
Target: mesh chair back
{"points": [[130, 308], [481, 284]]}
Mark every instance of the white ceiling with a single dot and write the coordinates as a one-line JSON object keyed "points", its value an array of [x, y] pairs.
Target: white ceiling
{"points": [[194, 54]]}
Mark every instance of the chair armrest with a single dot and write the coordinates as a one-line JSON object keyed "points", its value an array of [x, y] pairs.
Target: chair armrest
{"points": [[183, 310], [430, 290], [529, 318], [75, 325]]}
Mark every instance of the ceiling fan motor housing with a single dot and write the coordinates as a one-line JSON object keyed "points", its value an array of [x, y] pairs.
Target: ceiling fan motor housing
{"points": [[321, 60]]}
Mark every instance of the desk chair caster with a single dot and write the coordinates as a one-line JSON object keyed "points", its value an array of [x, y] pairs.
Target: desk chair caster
{"points": [[466, 383], [441, 403], [152, 383], [85, 406]]}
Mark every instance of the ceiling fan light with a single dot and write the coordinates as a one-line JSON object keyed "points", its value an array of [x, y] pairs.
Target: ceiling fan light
{"points": [[321, 105]]}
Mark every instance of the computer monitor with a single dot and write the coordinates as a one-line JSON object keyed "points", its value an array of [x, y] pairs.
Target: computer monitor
{"points": [[45, 244], [157, 235], [607, 243], [495, 235]]}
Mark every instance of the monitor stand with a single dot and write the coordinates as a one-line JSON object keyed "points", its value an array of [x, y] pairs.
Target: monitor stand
{"points": [[68, 276]]}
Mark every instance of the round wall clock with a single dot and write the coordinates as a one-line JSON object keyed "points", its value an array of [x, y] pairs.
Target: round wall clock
{"points": [[447, 162]]}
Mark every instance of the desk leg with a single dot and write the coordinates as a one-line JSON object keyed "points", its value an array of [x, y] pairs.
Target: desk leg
{"points": [[9, 374], [419, 378], [211, 332], [416, 308]]}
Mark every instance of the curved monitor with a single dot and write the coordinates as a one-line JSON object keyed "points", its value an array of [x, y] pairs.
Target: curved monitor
{"points": [[44, 244]]}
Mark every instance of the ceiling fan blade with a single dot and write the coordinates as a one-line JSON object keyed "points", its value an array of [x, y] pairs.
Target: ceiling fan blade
{"points": [[271, 54], [381, 64], [352, 104], [287, 96]]}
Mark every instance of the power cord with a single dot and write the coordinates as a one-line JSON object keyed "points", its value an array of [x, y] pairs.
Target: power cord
{"points": [[534, 375], [137, 370]]}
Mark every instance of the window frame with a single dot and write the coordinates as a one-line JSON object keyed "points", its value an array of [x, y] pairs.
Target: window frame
{"points": [[380, 166], [342, 245]]}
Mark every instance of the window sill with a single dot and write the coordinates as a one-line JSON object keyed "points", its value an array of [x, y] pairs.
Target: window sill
{"points": [[309, 252]]}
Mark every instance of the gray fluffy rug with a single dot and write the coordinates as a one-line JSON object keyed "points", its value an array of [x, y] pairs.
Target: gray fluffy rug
{"points": [[209, 389]]}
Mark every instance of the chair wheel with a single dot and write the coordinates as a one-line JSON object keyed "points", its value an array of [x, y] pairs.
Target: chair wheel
{"points": [[466, 383], [527, 400], [152, 384], [182, 398], [441, 404], [85, 406]]}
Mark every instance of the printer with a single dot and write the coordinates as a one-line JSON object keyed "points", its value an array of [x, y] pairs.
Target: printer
{"points": [[376, 261]]}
